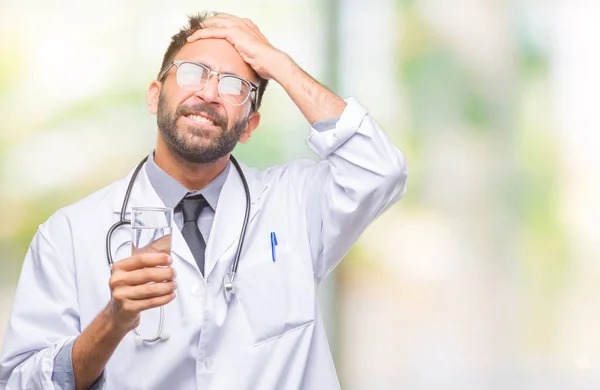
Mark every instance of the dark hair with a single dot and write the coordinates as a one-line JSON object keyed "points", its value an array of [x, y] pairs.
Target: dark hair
{"points": [[180, 39]]}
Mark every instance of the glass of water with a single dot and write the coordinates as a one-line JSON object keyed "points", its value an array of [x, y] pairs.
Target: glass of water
{"points": [[151, 229]]}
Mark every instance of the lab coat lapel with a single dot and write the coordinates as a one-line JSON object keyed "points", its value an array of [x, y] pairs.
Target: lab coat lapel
{"points": [[144, 195], [229, 216]]}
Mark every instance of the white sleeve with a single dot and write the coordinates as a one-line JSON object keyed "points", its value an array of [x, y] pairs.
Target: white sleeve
{"points": [[45, 312], [362, 174]]}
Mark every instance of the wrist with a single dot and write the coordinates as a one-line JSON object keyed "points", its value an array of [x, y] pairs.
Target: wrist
{"points": [[113, 324], [283, 68]]}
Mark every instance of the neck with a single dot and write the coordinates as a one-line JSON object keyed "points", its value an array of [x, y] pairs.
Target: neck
{"points": [[193, 176]]}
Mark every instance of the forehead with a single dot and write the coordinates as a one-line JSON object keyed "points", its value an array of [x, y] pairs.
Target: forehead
{"points": [[217, 54]]}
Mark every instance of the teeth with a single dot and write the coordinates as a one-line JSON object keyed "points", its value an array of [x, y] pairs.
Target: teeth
{"points": [[200, 119]]}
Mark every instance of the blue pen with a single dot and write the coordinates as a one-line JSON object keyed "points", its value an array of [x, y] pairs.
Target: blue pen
{"points": [[273, 244]]}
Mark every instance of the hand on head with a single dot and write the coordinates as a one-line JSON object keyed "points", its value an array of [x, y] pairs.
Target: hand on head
{"points": [[247, 39]]}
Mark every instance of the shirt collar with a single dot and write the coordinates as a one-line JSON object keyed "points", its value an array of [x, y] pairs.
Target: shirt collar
{"points": [[170, 191]]}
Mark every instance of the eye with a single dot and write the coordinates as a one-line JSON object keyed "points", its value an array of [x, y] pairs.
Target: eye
{"points": [[191, 76], [232, 85], [233, 90]]}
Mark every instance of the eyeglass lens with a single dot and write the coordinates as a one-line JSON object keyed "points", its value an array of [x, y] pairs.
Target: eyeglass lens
{"points": [[193, 77]]}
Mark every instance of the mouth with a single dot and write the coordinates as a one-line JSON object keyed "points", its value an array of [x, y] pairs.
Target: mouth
{"points": [[200, 119]]}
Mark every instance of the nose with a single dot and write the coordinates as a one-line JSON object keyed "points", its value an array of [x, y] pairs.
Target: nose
{"points": [[210, 92]]}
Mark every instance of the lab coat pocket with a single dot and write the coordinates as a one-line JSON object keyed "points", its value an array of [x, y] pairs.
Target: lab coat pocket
{"points": [[277, 297]]}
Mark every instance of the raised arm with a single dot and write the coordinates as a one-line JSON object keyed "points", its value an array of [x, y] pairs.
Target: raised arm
{"points": [[362, 172]]}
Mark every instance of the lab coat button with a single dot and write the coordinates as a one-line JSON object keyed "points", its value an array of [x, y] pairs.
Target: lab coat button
{"points": [[208, 364], [197, 291]]}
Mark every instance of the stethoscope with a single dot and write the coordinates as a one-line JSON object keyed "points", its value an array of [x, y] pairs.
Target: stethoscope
{"points": [[228, 280]]}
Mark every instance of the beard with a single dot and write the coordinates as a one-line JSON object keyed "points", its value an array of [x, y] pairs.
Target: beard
{"points": [[181, 141]]}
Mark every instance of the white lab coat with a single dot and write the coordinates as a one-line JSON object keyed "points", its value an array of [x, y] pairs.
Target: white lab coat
{"points": [[271, 336]]}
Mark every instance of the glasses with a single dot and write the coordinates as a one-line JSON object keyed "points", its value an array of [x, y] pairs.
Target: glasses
{"points": [[193, 76]]}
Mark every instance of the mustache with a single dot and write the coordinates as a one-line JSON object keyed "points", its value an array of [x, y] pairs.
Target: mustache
{"points": [[198, 109]]}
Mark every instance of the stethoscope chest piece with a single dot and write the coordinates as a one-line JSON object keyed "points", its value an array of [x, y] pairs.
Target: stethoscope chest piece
{"points": [[228, 287]]}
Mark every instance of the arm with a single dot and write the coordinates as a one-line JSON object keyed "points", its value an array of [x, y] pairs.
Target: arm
{"points": [[93, 348], [361, 175], [362, 172], [44, 321], [45, 313], [136, 285], [80, 363], [316, 102]]}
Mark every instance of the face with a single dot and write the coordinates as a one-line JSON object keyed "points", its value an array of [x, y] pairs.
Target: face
{"points": [[198, 126]]}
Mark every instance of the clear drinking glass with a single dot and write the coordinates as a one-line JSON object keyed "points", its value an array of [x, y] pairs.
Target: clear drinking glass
{"points": [[151, 229]]}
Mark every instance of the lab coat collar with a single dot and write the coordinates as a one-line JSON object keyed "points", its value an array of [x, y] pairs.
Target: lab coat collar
{"points": [[229, 216], [228, 220]]}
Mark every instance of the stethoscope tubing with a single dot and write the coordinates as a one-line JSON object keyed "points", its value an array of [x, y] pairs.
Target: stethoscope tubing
{"points": [[228, 287]]}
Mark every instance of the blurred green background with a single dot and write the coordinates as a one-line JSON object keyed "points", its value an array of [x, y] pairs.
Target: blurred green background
{"points": [[484, 277]]}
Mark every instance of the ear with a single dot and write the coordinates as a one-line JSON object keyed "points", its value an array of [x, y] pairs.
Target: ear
{"points": [[152, 97], [252, 124]]}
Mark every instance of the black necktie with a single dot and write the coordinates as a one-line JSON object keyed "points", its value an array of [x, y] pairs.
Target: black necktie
{"points": [[191, 207]]}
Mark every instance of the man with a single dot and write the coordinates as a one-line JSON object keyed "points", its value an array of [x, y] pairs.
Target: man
{"points": [[72, 320]]}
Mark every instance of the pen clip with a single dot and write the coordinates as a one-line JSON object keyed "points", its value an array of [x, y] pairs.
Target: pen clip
{"points": [[273, 245]]}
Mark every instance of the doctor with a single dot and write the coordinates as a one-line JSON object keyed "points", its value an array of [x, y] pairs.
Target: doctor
{"points": [[72, 321]]}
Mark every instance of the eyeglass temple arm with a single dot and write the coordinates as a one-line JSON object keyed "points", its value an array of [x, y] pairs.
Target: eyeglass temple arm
{"points": [[164, 72], [254, 92]]}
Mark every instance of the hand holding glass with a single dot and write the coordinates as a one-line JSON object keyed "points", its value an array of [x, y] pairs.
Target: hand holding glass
{"points": [[151, 234]]}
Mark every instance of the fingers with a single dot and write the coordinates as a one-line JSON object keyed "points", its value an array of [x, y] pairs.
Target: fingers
{"points": [[223, 22], [160, 245], [140, 282], [145, 291], [212, 32], [141, 276], [133, 307], [143, 260], [223, 15]]}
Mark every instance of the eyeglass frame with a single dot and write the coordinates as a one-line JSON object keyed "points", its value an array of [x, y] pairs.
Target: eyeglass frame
{"points": [[178, 63]]}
